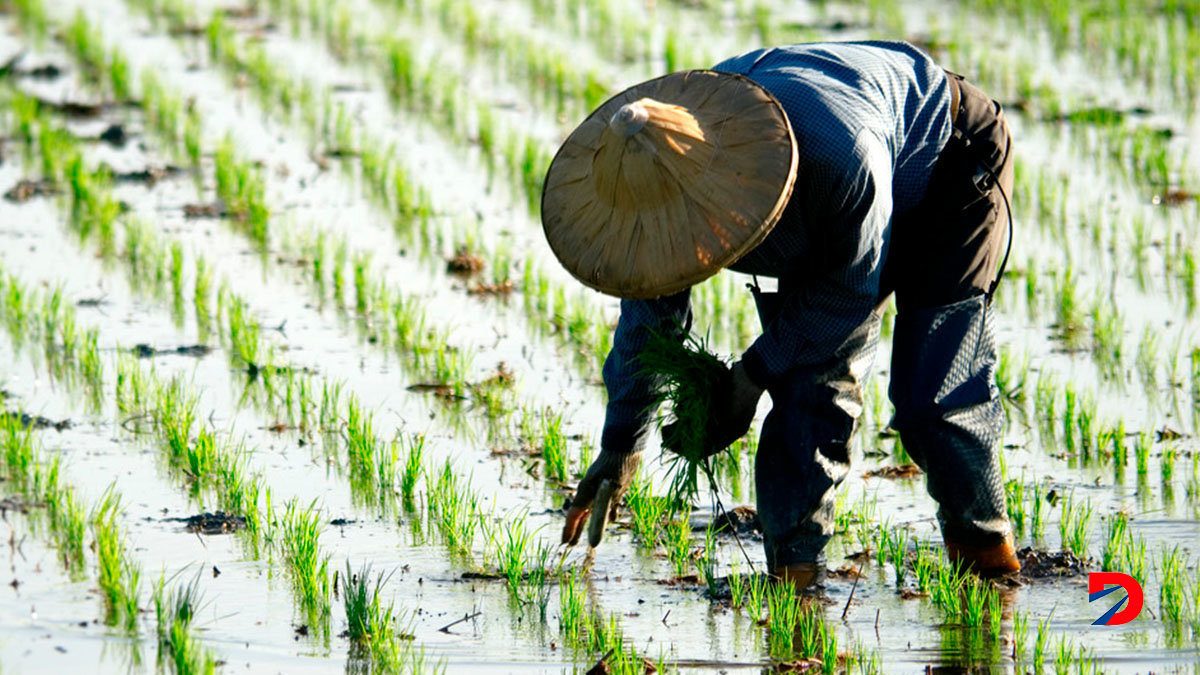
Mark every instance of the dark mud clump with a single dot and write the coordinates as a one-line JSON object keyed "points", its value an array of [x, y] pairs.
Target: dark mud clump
{"points": [[26, 189], [145, 351], [37, 421], [464, 263], [740, 520], [16, 505], [212, 523], [207, 210], [149, 176], [896, 472], [1036, 564]]}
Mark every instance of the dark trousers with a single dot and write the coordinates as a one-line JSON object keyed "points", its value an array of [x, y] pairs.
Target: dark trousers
{"points": [[943, 263]]}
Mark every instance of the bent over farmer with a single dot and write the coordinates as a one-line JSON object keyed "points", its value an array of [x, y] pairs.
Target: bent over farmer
{"points": [[848, 171]]}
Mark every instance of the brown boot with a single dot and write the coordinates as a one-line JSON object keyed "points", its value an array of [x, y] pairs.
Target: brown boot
{"points": [[986, 561], [799, 575]]}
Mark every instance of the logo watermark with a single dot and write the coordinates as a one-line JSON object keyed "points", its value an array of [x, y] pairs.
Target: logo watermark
{"points": [[1132, 602]]}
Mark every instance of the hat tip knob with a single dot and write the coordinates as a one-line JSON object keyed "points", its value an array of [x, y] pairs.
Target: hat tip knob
{"points": [[629, 119]]}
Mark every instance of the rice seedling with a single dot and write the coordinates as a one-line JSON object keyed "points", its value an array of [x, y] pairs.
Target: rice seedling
{"points": [[307, 567], [415, 444], [708, 560], [1141, 451], [686, 372], [370, 624], [120, 577], [554, 447], [679, 544], [897, 549], [1014, 492], [1041, 642], [178, 645], [572, 608], [1147, 360], [1075, 525], [925, 566], [974, 600], [1167, 462], [1067, 313], [737, 586], [783, 611], [454, 509], [1118, 537], [1064, 656], [1020, 635], [647, 511], [1171, 580], [1037, 513]]}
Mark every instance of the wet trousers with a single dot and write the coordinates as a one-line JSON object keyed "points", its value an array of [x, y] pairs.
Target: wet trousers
{"points": [[945, 257]]}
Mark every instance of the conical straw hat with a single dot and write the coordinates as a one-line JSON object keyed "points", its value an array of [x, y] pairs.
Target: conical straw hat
{"points": [[668, 182]]}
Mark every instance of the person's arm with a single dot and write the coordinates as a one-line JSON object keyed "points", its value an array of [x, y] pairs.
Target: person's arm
{"points": [[630, 404], [630, 396], [852, 212]]}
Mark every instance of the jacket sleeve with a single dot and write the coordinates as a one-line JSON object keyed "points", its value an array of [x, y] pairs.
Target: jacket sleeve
{"points": [[850, 205], [630, 396]]}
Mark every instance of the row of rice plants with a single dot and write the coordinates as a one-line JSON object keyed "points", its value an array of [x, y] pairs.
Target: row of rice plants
{"points": [[39, 480], [1154, 44]]}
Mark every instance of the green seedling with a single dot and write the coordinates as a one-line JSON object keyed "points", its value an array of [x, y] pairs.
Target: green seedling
{"points": [[686, 371], [783, 611], [370, 623], [178, 645]]}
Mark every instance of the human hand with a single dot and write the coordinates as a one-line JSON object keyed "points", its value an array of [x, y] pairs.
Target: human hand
{"points": [[734, 402], [605, 481]]}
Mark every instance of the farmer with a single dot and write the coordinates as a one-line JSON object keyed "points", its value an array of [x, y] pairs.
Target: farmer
{"points": [[847, 171]]}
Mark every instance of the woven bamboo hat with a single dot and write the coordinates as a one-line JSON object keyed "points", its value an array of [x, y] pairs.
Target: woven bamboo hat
{"points": [[668, 182]]}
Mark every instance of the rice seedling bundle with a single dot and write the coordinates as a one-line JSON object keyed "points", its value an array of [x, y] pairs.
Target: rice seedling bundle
{"points": [[687, 378]]}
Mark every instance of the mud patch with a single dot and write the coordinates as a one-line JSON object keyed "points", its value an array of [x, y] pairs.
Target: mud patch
{"points": [[895, 472], [464, 263], [740, 520], [36, 421], [145, 351], [27, 189], [17, 505], [211, 523], [149, 176], [1037, 564]]}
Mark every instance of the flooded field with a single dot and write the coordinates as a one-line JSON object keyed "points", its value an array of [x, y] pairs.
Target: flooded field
{"points": [[290, 380]]}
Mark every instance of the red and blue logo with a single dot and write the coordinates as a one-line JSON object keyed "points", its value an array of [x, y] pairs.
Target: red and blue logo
{"points": [[1131, 603]]}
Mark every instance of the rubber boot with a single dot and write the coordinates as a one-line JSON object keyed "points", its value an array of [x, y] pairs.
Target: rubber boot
{"points": [[985, 561], [799, 575]]}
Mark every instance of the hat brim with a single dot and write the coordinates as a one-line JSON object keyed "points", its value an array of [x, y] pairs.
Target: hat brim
{"points": [[651, 224]]}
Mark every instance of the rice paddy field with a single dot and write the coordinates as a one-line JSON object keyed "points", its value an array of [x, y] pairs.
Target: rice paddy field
{"points": [[291, 382]]}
